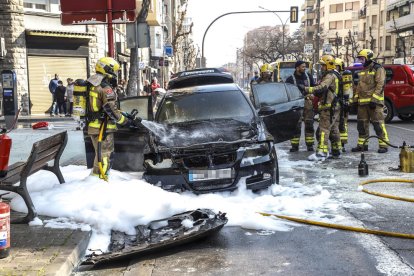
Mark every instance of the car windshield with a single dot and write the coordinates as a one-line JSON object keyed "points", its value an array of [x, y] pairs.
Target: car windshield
{"points": [[286, 72], [187, 107]]}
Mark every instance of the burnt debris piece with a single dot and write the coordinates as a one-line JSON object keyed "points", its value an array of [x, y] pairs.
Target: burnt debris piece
{"points": [[160, 234]]}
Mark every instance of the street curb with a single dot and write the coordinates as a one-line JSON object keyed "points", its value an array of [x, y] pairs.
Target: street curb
{"points": [[74, 258]]}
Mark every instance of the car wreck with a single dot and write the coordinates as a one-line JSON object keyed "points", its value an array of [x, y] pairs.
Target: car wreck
{"points": [[160, 234]]}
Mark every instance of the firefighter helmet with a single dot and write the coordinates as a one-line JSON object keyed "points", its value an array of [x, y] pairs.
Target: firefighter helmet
{"points": [[366, 53], [107, 66], [339, 62], [266, 68], [329, 61]]}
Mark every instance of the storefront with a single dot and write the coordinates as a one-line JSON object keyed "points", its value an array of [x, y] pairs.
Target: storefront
{"points": [[50, 53]]}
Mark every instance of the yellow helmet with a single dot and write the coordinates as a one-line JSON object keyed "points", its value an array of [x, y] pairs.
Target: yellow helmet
{"points": [[266, 68], [366, 53], [339, 62], [107, 66], [329, 61]]}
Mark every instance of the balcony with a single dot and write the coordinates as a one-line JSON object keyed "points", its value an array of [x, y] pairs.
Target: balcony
{"points": [[310, 29], [363, 13], [403, 23], [310, 3]]}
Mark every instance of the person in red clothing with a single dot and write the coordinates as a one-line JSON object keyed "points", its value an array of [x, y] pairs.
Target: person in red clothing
{"points": [[154, 85]]}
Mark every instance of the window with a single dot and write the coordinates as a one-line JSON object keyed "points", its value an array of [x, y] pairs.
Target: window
{"points": [[374, 21], [355, 6], [389, 74], [374, 2], [309, 22], [404, 10], [388, 43], [158, 41], [380, 43], [335, 41], [35, 5], [267, 96], [294, 93], [348, 24], [335, 25], [381, 18], [349, 6], [336, 8]]}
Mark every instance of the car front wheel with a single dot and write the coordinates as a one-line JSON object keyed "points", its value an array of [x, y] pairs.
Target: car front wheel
{"points": [[388, 112]]}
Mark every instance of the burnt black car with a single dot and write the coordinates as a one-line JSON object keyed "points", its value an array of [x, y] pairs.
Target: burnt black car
{"points": [[206, 138]]}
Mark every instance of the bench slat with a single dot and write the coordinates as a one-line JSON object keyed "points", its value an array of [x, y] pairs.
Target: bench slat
{"points": [[51, 141], [51, 153], [13, 169]]}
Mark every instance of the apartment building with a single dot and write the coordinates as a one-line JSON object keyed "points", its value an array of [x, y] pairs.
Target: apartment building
{"points": [[400, 23]]}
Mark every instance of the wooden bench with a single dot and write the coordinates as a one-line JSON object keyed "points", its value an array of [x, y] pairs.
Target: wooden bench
{"points": [[43, 151]]}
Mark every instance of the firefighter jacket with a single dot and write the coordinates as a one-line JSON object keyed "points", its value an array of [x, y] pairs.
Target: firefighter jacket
{"points": [[371, 85], [326, 91], [102, 103]]}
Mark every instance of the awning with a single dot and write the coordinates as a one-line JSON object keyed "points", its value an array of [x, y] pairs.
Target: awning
{"points": [[59, 34], [393, 4]]}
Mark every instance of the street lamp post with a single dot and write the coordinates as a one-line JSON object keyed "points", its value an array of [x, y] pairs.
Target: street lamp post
{"points": [[283, 29], [225, 14]]}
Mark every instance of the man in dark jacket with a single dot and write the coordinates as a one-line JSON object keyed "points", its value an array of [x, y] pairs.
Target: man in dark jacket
{"points": [[52, 87], [60, 96], [302, 79]]}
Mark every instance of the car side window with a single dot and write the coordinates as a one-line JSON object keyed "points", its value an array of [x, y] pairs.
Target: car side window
{"points": [[271, 94], [388, 74], [294, 92]]}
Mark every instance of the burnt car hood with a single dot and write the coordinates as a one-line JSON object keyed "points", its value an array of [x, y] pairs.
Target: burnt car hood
{"points": [[160, 234], [204, 132]]}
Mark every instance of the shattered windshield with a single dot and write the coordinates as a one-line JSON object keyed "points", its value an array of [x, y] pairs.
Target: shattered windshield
{"points": [[187, 107]]}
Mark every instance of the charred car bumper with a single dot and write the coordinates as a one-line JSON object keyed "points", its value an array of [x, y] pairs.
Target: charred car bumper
{"points": [[215, 171]]}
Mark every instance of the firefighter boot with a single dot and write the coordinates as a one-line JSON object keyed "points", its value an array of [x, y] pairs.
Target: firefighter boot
{"points": [[343, 147], [336, 153], [294, 148], [309, 147], [359, 148]]}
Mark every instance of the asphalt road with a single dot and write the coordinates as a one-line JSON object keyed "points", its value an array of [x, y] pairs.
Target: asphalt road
{"points": [[307, 250]]}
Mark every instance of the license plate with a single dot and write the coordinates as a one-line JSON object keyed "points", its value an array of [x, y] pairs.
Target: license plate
{"points": [[199, 175]]}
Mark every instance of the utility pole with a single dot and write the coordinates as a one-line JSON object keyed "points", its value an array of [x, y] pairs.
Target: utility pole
{"points": [[318, 28]]}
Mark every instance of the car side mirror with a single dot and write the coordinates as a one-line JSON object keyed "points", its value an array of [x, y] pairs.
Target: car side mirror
{"points": [[266, 110]]}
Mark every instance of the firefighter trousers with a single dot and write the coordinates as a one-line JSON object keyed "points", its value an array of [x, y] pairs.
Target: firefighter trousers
{"points": [[328, 130], [343, 127], [107, 149], [307, 118], [376, 117]]}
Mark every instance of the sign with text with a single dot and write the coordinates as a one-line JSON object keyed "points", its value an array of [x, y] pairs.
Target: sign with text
{"points": [[95, 12]]}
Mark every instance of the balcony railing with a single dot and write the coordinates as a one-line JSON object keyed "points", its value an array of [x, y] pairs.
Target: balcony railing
{"points": [[363, 12]]}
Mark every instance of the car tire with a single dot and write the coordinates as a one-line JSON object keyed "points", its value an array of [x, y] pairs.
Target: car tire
{"points": [[275, 175], [406, 117], [388, 112]]}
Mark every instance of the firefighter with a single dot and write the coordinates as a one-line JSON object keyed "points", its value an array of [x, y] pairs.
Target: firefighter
{"points": [[327, 92], [103, 114], [345, 94], [302, 79], [266, 72], [369, 95]]}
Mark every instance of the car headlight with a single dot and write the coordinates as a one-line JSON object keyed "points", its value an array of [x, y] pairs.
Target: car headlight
{"points": [[255, 152]]}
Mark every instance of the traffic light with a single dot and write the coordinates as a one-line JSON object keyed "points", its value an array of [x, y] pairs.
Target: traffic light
{"points": [[294, 14]]}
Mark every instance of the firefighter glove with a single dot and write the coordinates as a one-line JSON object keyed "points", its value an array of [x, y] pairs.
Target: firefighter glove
{"points": [[372, 105]]}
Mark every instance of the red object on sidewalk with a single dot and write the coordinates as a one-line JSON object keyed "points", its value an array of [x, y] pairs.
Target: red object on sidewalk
{"points": [[4, 230], [41, 125], [5, 146]]}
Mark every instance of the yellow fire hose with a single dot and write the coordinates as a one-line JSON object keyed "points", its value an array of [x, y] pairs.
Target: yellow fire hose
{"points": [[102, 174], [358, 229]]}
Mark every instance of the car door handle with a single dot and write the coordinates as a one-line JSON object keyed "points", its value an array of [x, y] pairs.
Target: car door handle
{"points": [[296, 108]]}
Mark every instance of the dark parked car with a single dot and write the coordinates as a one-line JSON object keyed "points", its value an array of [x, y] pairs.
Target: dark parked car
{"points": [[208, 137], [197, 77]]}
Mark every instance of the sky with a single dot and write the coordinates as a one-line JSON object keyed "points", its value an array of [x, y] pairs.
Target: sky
{"points": [[87, 203], [226, 34]]}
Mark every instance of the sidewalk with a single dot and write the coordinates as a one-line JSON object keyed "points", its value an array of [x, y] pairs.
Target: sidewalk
{"points": [[38, 118], [37, 250]]}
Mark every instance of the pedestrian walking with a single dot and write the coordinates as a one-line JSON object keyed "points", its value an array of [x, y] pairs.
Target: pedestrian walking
{"points": [[302, 79], [154, 86], [327, 92], [147, 88], [60, 95], [369, 95], [52, 87], [69, 97]]}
